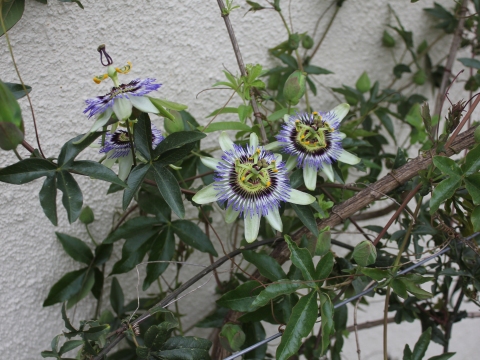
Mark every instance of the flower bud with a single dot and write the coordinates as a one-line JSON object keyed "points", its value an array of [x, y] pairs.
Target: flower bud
{"points": [[11, 123], [363, 83], [232, 337], [86, 216], [294, 87], [365, 253], [307, 42], [293, 41], [419, 77], [172, 126]]}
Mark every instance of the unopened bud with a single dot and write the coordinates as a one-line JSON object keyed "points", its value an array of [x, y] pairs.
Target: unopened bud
{"points": [[172, 126], [307, 42], [387, 39], [293, 41], [419, 77], [365, 253], [294, 87]]}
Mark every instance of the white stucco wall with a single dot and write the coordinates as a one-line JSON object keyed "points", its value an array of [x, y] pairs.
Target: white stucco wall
{"points": [[185, 46]]}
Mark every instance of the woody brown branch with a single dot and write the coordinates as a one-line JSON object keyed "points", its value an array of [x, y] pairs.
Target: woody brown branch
{"points": [[358, 202]]}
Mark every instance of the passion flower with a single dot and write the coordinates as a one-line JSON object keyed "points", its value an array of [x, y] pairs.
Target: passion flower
{"points": [[252, 182]]}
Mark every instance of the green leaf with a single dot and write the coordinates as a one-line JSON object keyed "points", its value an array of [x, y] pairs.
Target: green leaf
{"points": [[299, 325], [70, 345], [399, 288], [266, 265], [475, 218], [11, 123], [386, 121], [191, 234], [135, 179], [69, 285], [242, 297], [97, 289], [447, 166], [132, 227], [375, 274], [324, 267], [185, 348], [162, 251], [73, 1], [176, 140], [301, 259], [213, 320], [226, 125], [444, 191], [415, 290], [17, 90], [65, 318], [116, 297], [72, 198], [102, 254], [48, 198], [168, 187], [87, 285], [143, 136], [469, 62], [26, 170], [407, 353], [279, 288], [152, 203], [399, 69], [175, 155], [307, 217], [445, 356], [316, 70], [328, 327], [133, 252], [96, 171], [472, 183], [75, 248], [224, 110], [255, 333], [422, 345], [70, 150], [12, 11], [472, 161], [170, 104], [161, 109]]}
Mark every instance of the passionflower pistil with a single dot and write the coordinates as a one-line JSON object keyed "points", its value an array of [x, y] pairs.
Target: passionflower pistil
{"points": [[252, 182], [314, 142]]}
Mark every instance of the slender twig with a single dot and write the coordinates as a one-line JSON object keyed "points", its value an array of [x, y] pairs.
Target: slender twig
{"points": [[337, 8], [451, 319], [243, 71], [457, 38], [20, 78]]}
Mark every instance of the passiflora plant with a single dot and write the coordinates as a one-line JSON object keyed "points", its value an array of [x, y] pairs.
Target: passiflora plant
{"points": [[288, 178]]}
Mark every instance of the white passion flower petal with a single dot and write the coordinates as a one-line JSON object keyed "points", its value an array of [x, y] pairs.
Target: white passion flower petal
{"points": [[122, 108], [206, 195], [341, 111], [278, 158], [225, 142], [328, 171], [300, 198], [253, 140], [144, 104], [231, 215], [348, 158], [310, 177], [252, 225], [342, 135], [274, 219], [291, 163], [101, 121], [124, 166], [209, 162]]}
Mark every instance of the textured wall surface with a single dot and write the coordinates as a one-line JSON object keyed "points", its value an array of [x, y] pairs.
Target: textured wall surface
{"points": [[182, 43]]}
